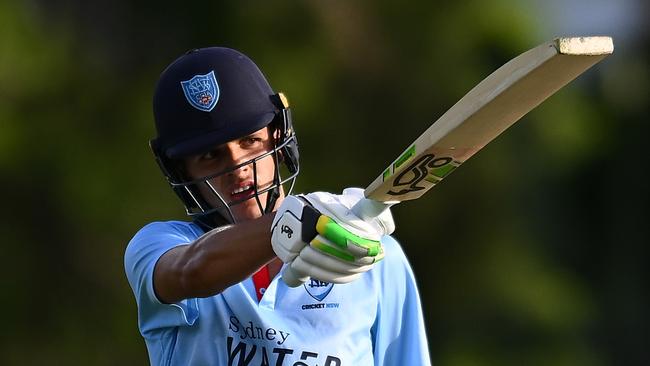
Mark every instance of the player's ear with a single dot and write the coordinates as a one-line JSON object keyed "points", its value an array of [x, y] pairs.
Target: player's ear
{"points": [[274, 133]]}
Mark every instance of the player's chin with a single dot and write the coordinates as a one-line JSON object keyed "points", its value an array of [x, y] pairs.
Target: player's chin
{"points": [[249, 209]]}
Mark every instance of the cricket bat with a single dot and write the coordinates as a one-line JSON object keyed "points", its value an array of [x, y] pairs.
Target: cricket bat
{"points": [[487, 110]]}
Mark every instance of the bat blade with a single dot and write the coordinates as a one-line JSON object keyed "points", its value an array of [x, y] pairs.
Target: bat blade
{"points": [[483, 113]]}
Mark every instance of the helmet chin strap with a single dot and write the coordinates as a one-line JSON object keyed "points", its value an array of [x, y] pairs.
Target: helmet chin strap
{"points": [[271, 199], [273, 194]]}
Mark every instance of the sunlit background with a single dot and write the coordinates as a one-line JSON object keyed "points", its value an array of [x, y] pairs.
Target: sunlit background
{"points": [[533, 253]]}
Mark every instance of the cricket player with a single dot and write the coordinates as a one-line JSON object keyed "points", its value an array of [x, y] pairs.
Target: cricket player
{"points": [[210, 291]]}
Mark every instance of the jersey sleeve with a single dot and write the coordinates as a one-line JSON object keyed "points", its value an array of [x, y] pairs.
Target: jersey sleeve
{"points": [[140, 258], [399, 335]]}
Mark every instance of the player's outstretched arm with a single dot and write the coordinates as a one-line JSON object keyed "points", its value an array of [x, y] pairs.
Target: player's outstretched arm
{"points": [[215, 261]]}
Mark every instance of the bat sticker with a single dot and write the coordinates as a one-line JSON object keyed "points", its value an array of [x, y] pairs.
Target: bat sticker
{"points": [[426, 167]]}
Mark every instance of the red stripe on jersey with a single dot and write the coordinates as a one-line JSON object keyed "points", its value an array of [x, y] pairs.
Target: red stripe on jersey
{"points": [[262, 280]]}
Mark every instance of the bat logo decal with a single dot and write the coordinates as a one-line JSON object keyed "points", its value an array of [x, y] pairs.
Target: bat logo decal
{"points": [[409, 179]]}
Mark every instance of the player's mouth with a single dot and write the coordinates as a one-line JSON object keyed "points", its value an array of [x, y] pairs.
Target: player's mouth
{"points": [[243, 191]]}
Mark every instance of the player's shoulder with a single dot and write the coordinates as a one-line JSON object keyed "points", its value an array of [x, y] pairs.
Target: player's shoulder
{"points": [[392, 246], [173, 226], [394, 270], [164, 231]]}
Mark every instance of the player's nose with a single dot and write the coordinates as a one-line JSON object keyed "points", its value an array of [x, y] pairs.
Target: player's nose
{"points": [[236, 158]]}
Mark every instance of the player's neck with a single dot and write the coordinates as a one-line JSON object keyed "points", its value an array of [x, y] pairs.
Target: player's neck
{"points": [[274, 267]]}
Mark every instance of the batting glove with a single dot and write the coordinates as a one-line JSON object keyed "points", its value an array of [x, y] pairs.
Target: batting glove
{"points": [[320, 237]]}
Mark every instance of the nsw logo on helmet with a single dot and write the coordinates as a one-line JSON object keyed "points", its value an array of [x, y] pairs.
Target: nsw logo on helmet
{"points": [[202, 91]]}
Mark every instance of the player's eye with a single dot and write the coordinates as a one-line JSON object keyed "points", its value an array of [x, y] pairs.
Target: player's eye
{"points": [[251, 141], [210, 155]]}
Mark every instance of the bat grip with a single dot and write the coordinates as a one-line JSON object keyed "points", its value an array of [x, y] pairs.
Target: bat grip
{"points": [[293, 278], [365, 209], [369, 209]]}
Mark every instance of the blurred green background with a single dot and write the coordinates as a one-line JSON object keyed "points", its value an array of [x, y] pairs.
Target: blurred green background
{"points": [[534, 252]]}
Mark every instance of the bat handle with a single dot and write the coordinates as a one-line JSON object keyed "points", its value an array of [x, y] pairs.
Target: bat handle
{"points": [[293, 278], [365, 209]]}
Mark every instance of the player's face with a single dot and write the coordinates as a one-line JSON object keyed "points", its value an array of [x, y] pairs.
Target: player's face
{"points": [[238, 184]]}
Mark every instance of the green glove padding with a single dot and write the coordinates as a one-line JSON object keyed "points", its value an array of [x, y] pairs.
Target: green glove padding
{"points": [[342, 244]]}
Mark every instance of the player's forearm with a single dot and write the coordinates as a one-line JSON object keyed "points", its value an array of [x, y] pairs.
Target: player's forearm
{"points": [[220, 259], [215, 261]]}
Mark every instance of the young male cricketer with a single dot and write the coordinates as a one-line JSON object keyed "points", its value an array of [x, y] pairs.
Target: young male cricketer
{"points": [[209, 291]]}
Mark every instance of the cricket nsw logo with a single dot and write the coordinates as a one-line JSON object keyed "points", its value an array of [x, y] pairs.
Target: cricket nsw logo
{"points": [[202, 91], [318, 289]]}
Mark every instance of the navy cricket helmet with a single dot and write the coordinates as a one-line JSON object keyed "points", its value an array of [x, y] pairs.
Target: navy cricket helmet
{"points": [[208, 97]]}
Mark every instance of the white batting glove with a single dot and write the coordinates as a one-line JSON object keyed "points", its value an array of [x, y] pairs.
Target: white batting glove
{"points": [[320, 237]]}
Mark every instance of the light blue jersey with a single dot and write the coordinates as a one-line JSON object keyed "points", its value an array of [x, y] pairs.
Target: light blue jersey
{"points": [[376, 320]]}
